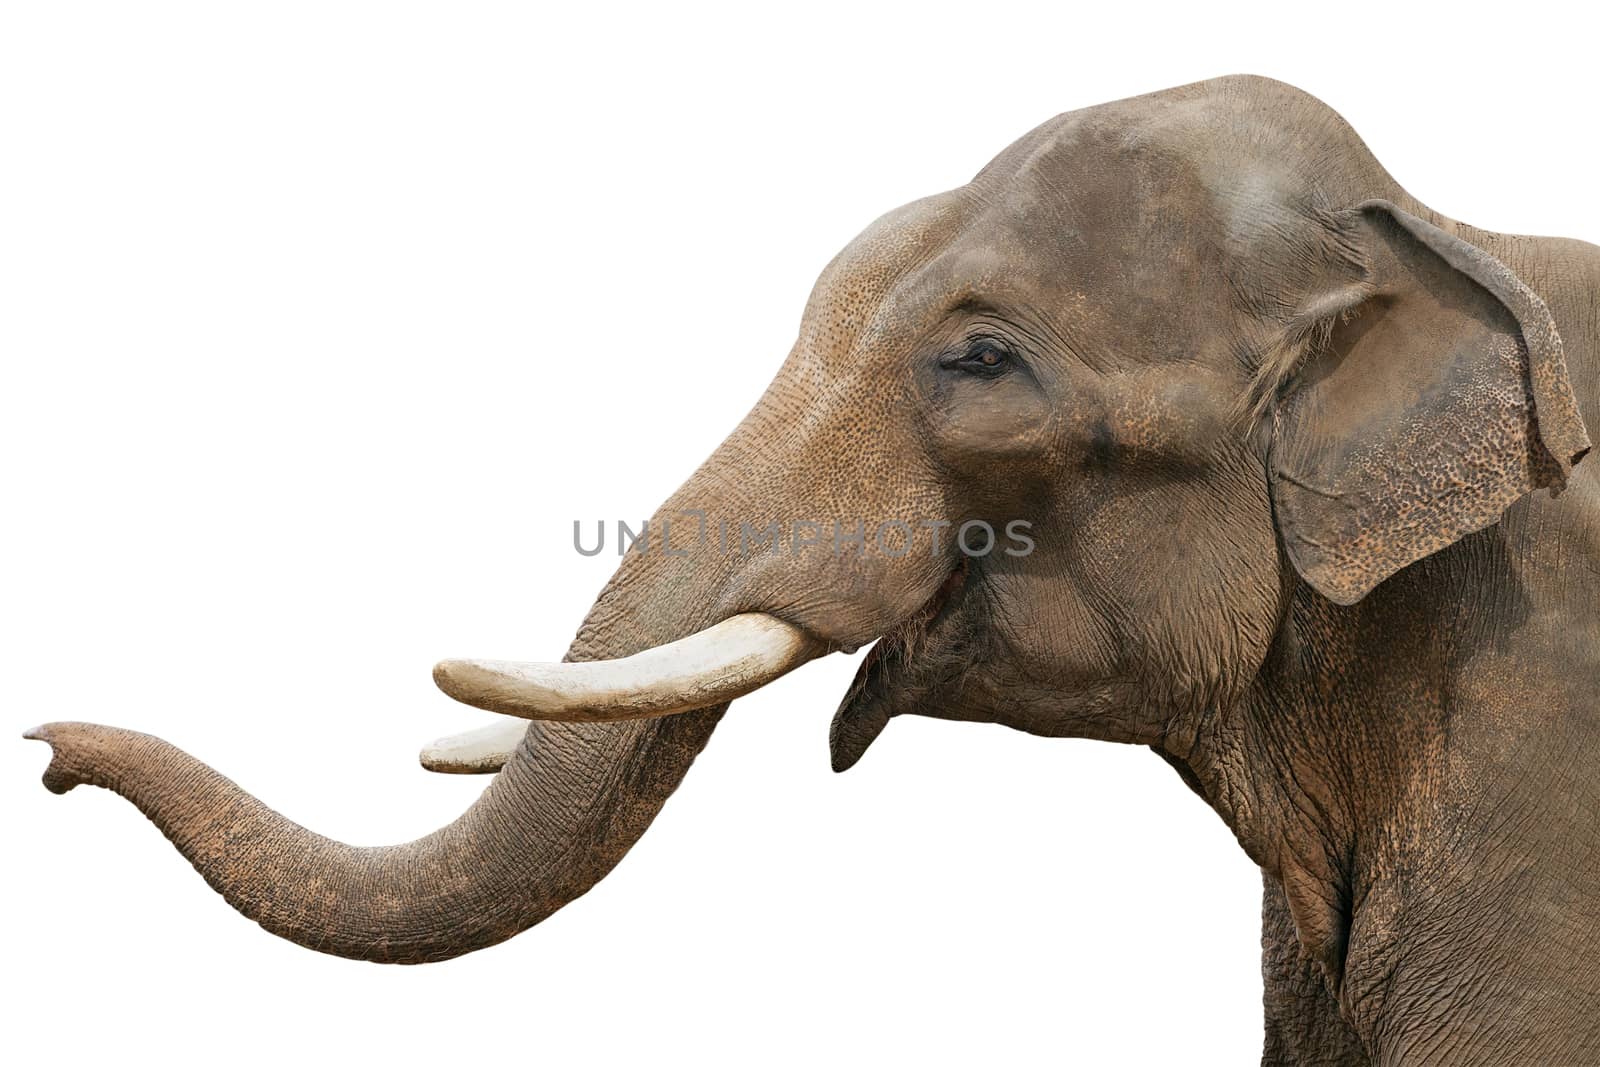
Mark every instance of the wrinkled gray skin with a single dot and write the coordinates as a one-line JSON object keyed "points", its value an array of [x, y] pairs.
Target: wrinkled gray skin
{"points": [[1301, 458]]}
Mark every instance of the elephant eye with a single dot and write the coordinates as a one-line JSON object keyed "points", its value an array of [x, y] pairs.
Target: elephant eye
{"points": [[983, 358]]}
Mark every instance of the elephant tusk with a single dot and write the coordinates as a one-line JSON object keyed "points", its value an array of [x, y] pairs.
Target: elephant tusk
{"points": [[481, 751], [736, 656]]}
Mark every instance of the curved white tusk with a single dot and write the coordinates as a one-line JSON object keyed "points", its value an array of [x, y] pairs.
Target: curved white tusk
{"points": [[481, 751], [736, 656]]}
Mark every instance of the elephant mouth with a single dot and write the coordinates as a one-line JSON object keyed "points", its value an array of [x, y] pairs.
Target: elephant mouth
{"points": [[892, 671], [903, 642]]}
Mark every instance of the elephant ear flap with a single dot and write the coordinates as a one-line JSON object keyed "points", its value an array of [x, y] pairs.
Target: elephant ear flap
{"points": [[1439, 397]]}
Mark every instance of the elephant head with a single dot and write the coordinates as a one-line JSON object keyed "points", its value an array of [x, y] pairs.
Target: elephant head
{"points": [[1195, 349]]}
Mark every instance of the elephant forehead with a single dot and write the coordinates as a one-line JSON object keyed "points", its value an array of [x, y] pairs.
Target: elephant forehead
{"points": [[853, 287], [1087, 235], [913, 265], [1131, 228]]}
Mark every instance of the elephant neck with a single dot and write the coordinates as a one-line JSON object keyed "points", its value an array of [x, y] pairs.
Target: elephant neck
{"points": [[1414, 776], [1321, 751]]}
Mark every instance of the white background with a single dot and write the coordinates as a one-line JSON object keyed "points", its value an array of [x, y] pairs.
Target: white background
{"points": [[283, 282]]}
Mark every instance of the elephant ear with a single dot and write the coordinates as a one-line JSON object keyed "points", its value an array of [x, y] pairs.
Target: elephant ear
{"points": [[1439, 397]]}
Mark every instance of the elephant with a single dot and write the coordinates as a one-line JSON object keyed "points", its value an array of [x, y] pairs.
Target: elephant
{"points": [[1298, 463]]}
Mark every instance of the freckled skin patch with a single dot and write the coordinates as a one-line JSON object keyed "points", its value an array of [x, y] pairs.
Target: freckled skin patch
{"points": [[1362, 621]]}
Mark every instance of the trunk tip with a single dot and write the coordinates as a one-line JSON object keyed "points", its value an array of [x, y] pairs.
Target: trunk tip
{"points": [[68, 763]]}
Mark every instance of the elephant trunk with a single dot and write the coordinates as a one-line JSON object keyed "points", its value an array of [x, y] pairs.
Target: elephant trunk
{"points": [[567, 806]]}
